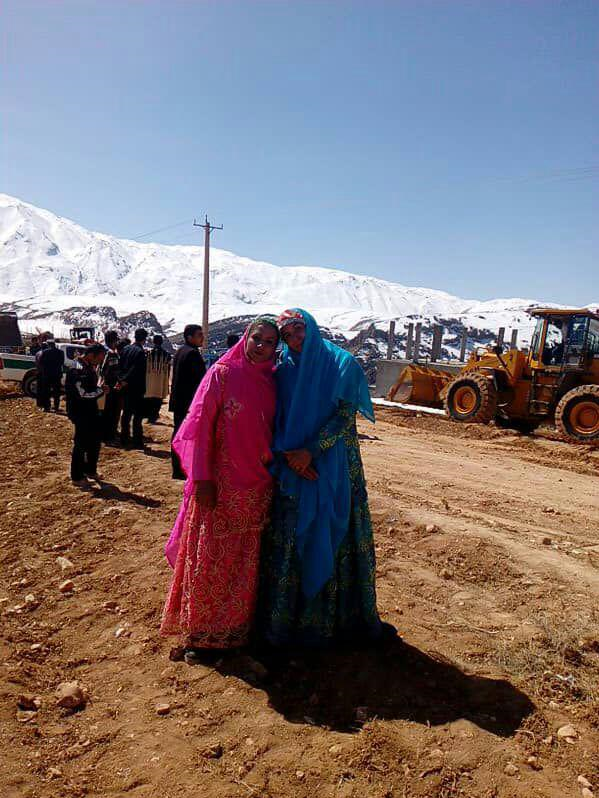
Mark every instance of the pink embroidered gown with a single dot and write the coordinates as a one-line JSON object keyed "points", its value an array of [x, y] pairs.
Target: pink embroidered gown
{"points": [[226, 439]]}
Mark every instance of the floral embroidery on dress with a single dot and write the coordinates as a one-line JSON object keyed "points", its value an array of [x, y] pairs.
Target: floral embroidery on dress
{"points": [[232, 408]]}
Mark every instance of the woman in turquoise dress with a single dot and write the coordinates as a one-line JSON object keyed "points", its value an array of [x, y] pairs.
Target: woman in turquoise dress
{"points": [[317, 583]]}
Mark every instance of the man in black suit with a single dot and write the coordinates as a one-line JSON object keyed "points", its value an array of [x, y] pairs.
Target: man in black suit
{"points": [[188, 370], [82, 394], [132, 379], [50, 366]]}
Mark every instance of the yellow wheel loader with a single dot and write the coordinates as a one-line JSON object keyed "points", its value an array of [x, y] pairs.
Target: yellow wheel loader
{"points": [[557, 380]]}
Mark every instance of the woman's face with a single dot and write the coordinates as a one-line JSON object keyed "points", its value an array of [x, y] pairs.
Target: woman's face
{"points": [[294, 335], [261, 343]]}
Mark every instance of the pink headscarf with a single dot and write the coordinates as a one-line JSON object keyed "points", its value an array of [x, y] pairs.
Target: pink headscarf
{"points": [[246, 386]]}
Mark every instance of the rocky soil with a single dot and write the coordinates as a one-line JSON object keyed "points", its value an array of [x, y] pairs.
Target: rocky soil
{"points": [[488, 564]]}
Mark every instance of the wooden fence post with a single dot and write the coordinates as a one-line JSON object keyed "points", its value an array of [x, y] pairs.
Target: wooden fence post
{"points": [[391, 340], [410, 341], [417, 340]]}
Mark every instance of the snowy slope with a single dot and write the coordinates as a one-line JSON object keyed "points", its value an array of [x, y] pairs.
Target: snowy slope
{"points": [[49, 264]]}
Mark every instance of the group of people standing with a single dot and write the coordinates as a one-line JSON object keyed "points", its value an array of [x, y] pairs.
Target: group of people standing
{"points": [[119, 385], [273, 541]]}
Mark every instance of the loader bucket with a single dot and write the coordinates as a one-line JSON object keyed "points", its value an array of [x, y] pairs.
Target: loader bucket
{"points": [[420, 385]]}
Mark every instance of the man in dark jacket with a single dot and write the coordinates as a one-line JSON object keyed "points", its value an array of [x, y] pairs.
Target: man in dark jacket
{"points": [[109, 374], [188, 370], [50, 365], [132, 378], [82, 394]]}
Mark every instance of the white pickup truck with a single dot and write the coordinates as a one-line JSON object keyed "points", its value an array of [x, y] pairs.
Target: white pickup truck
{"points": [[22, 368]]}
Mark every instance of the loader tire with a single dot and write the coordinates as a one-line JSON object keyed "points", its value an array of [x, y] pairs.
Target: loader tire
{"points": [[577, 414], [472, 398]]}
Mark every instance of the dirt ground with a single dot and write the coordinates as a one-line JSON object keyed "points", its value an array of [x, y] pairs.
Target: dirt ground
{"points": [[488, 564]]}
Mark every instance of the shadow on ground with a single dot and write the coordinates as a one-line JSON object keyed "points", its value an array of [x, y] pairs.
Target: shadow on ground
{"points": [[161, 454], [340, 690], [108, 491]]}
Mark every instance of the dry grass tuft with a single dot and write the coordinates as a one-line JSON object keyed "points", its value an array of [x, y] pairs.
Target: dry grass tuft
{"points": [[555, 660]]}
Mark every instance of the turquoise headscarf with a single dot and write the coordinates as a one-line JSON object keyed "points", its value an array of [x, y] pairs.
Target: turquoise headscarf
{"points": [[310, 386]]}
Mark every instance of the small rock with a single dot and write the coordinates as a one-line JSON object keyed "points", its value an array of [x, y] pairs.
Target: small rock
{"points": [[26, 715], [51, 453], [213, 751], [584, 782], [567, 733], [548, 740], [69, 695], [36, 647], [30, 600], [29, 702], [546, 541], [534, 763], [67, 586], [54, 773], [64, 563], [446, 573], [110, 605], [163, 709], [122, 631], [335, 749], [430, 529], [586, 793], [392, 530], [510, 769], [590, 644], [111, 511], [300, 775]]}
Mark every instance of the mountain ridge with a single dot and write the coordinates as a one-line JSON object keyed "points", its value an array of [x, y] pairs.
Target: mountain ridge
{"points": [[50, 264]]}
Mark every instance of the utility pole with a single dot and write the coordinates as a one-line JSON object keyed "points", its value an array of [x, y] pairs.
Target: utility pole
{"points": [[208, 228]]}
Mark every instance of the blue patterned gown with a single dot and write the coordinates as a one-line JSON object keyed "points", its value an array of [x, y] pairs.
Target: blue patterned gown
{"points": [[344, 610]]}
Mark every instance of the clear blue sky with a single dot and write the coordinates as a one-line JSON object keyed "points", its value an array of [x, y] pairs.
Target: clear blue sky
{"points": [[447, 144]]}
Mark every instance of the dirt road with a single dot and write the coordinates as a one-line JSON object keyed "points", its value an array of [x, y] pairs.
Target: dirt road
{"points": [[488, 564]]}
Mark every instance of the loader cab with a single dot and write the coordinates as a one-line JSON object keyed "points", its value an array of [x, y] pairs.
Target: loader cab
{"points": [[564, 340]]}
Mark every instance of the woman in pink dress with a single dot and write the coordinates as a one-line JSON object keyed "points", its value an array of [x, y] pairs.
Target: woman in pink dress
{"points": [[224, 449]]}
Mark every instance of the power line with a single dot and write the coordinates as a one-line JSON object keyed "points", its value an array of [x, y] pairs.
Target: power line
{"points": [[555, 176], [162, 229]]}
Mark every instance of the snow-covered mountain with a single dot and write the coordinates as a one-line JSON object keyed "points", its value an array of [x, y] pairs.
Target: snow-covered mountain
{"points": [[50, 265]]}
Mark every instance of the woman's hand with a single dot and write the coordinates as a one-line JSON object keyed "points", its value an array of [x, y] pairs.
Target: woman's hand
{"points": [[299, 459], [205, 494], [310, 473]]}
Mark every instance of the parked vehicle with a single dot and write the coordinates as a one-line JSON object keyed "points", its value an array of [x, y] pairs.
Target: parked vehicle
{"points": [[16, 366]]}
